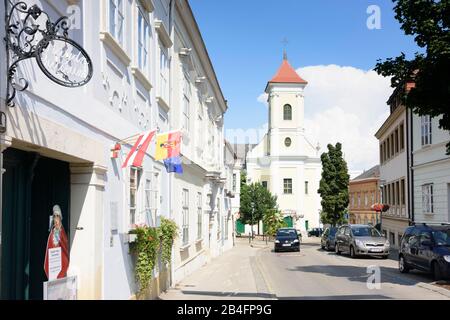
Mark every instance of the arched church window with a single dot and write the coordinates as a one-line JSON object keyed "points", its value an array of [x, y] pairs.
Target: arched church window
{"points": [[287, 112], [287, 142]]}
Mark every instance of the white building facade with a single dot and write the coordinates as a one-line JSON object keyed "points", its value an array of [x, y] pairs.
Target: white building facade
{"points": [[430, 170], [394, 146], [151, 70], [285, 161]]}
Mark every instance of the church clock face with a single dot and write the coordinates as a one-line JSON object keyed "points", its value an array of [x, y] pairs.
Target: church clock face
{"points": [[287, 142]]}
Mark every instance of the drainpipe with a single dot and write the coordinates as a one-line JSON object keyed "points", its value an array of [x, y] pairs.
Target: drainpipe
{"points": [[408, 166], [410, 170], [1, 213]]}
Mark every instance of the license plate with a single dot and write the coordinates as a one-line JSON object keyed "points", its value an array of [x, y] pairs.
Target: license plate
{"points": [[286, 244], [376, 250]]}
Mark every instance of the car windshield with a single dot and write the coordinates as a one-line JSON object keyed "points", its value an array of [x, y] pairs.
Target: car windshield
{"points": [[365, 232], [286, 233], [442, 237]]}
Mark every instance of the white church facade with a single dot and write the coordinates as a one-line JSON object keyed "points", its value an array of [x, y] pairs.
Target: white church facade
{"points": [[285, 161]]}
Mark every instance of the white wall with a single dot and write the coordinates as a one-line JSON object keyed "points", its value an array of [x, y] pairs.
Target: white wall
{"points": [[431, 166]]}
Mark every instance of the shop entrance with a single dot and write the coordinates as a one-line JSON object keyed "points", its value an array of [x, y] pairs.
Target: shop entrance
{"points": [[32, 185]]}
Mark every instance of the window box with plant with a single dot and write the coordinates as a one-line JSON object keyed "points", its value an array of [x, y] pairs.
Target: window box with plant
{"points": [[148, 243]]}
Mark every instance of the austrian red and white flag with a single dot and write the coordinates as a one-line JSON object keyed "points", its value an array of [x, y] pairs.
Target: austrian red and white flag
{"points": [[137, 153]]}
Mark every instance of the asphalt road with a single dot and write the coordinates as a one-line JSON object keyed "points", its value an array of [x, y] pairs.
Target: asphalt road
{"points": [[314, 273]]}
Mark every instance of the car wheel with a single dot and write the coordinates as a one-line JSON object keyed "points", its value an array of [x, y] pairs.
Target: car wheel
{"points": [[327, 247], [403, 266], [437, 273], [352, 252], [336, 249]]}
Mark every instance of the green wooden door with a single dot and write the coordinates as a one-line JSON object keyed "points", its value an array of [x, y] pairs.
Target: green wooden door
{"points": [[240, 227], [31, 186], [288, 221]]}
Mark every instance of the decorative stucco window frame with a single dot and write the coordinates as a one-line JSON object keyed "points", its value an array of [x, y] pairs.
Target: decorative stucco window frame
{"points": [[163, 34]]}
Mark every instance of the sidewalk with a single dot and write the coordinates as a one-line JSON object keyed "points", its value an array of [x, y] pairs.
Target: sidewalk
{"points": [[233, 275]]}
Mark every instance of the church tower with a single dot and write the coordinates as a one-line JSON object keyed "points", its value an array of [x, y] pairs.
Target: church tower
{"points": [[285, 161], [286, 112]]}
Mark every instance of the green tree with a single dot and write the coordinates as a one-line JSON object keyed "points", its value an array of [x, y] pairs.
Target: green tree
{"points": [[429, 22], [261, 199], [273, 220], [334, 185], [243, 178]]}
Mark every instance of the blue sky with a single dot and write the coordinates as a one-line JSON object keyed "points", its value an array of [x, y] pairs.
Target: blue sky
{"points": [[244, 41]]}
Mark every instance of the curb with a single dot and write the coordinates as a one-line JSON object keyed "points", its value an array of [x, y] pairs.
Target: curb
{"points": [[259, 246], [271, 294], [434, 288]]}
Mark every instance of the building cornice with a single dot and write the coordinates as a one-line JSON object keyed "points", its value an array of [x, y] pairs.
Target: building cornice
{"points": [[429, 147], [430, 163], [390, 120], [269, 159], [360, 181], [193, 29]]}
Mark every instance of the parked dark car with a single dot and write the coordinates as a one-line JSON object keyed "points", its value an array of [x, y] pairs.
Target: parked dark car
{"points": [[360, 239], [427, 248], [315, 232], [328, 238], [287, 239]]}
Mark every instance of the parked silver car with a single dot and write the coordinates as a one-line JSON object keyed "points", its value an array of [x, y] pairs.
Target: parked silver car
{"points": [[358, 239]]}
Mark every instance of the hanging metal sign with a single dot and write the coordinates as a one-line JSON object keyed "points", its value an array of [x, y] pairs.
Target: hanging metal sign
{"points": [[61, 59], [64, 61]]}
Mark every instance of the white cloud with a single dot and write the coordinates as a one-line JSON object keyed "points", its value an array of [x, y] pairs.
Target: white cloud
{"points": [[263, 99], [347, 105]]}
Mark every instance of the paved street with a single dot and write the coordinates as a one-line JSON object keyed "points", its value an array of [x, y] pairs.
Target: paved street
{"points": [[259, 273]]}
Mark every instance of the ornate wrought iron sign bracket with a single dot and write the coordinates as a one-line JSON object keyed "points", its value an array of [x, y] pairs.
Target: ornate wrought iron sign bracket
{"points": [[31, 34]]}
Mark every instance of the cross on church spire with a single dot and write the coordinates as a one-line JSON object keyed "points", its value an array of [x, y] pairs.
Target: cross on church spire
{"points": [[285, 43]]}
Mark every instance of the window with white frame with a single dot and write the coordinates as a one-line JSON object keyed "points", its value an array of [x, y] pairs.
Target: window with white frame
{"points": [[186, 101], [234, 182], [402, 186], [426, 129], [306, 187], [152, 193], [366, 199], [287, 186], [135, 177], [185, 210], [143, 41], [164, 74], [199, 215], [148, 201], [427, 198], [116, 19]]}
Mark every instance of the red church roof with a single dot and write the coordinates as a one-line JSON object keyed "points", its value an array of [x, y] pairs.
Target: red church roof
{"points": [[287, 74]]}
